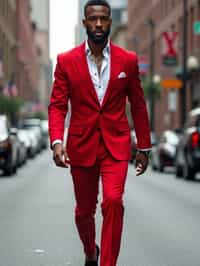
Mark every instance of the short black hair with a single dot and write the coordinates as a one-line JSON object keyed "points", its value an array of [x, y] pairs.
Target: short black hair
{"points": [[97, 3]]}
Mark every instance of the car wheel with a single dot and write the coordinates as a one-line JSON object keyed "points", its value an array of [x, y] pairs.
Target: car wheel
{"points": [[10, 171], [178, 171], [15, 169], [161, 167], [188, 172]]}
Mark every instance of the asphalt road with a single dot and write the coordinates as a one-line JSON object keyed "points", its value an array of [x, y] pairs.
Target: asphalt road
{"points": [[161, 227]]}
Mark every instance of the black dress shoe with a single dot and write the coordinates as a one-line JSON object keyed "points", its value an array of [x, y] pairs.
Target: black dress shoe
{"points": [[93, 262]]}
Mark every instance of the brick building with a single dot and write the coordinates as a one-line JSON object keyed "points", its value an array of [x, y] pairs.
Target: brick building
{"points": [[8, 40], [167, 15], [40, 16], [27, 59]]}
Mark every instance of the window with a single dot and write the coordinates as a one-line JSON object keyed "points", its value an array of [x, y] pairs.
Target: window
{"points": [[191, 21]]}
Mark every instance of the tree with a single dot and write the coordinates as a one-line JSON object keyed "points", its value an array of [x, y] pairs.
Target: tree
{"points": [[147, 87], [10, 106]]}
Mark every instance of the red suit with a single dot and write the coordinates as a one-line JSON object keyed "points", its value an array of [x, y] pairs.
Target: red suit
{"points": [[98, 139]]}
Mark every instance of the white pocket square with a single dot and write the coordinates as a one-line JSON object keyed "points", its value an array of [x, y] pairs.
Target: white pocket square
{"points": [[122, 75]]}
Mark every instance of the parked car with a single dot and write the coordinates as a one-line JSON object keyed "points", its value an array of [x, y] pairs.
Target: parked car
{"points": [[45, 133], [40, 128], [154, 139], [29, 141], [187, 161], [8, 148], [21, 149], [33, 137], [163, 154], [34, 125]]}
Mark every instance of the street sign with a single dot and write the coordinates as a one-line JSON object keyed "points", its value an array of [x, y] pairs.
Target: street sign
{"points": [[172, 83], [196, 27], [170, 48], [143, 65]]}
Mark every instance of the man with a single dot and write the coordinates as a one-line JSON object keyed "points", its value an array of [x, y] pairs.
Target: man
{"points": [[97, 78]]}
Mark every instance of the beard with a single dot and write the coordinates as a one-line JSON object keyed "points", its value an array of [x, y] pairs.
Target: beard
{"points": [[98, 39]]}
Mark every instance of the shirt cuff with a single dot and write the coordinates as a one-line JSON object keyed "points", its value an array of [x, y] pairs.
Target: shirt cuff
{"points": [[57, 141], [148, 149]]}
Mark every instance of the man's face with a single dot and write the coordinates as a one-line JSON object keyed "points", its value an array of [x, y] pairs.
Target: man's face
{"points": [[97, 23]]}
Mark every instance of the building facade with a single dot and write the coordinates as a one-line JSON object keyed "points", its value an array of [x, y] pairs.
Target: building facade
{"points": [[146, 23], [8, 41], [80, 31], [119, 16], [27, 70], [40, 18], [120, 19]]}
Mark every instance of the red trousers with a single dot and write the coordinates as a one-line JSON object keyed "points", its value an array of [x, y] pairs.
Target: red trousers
{"points": [[86, 185]]}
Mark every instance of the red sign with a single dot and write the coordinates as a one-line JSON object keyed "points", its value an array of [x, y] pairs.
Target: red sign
{"points": [[170, 48]]}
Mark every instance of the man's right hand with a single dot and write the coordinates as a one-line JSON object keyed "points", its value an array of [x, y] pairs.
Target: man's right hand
{"points": [[60, 156]]}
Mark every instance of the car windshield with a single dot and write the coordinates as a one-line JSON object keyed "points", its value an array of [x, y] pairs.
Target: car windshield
{"points": [[172, 138], [31, 122], [3, 128]]}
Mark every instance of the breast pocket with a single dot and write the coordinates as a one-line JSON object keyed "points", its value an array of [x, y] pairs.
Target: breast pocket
{"points": [[120, 83]]}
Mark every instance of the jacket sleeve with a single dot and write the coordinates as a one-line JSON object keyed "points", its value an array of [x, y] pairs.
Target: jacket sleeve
{"points": [[58, 105], [138, 105]]}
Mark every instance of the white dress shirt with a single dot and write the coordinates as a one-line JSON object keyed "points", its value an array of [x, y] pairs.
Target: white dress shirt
{"points": [[100, 81]]}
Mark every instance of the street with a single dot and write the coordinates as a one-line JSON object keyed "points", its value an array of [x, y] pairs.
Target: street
{"points": [[161, 226]]}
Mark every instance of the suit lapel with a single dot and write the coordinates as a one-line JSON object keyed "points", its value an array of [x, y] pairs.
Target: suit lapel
{"points": [[84, 71], [115, 63]]}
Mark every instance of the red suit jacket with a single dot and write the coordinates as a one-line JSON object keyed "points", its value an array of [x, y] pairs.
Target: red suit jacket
{"points": [[89, 119]]}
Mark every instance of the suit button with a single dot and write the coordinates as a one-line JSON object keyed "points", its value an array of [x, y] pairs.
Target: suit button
{"points": [[98, 129], [101, 112]]}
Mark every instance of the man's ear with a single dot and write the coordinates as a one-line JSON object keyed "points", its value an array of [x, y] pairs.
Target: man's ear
{"points": [[84, 22]]}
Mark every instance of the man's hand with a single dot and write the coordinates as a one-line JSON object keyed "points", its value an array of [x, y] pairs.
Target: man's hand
{"points": [[141, 162], [60, 156]]}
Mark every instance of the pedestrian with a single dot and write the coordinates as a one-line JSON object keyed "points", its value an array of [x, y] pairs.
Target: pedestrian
{"points": [[97, 78]]}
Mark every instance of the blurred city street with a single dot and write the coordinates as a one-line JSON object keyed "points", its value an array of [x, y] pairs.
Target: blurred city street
{"points": [[37, 222]]}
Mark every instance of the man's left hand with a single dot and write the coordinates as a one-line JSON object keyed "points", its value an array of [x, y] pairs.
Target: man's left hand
{"points": [[141, 162]]}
